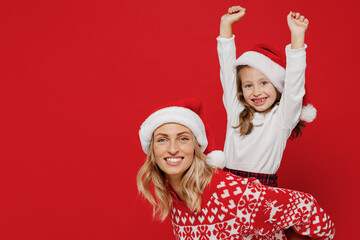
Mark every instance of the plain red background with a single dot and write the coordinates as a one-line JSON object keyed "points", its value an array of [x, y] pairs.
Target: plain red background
{"points": [[77, 78]]}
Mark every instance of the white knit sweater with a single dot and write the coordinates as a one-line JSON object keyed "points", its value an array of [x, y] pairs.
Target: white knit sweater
{"points": [[261, 151]]}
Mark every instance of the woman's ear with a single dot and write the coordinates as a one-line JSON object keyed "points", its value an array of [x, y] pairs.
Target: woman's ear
{"points": [[196, 145]]}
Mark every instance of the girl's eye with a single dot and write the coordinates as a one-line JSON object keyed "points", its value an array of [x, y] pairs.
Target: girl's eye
{"points": [[264, 83], [247, 86]]}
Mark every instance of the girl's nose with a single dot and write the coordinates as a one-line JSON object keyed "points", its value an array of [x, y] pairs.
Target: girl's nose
{"points": [[257, 91]]}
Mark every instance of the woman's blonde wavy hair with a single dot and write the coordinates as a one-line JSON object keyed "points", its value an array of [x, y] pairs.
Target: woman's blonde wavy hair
{"points": [[247, 115], [194, 182]]}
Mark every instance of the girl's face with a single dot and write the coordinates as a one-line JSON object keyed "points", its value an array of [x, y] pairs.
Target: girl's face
{"points": [[257, 90], [174, 149]]}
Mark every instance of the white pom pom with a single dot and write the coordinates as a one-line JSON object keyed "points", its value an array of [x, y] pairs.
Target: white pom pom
{"points": [[308, 113], [216, 159]]}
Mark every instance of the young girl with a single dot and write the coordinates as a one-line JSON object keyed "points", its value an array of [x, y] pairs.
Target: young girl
{"points": [[263, 101], [205, 203]]}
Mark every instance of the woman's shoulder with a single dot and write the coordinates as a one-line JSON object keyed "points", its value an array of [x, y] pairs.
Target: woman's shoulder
{"points": [[221, 175], [226, 180]]}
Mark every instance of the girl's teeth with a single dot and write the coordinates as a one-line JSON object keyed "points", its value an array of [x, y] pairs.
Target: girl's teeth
{"points": [[261, 100], [173, 160]]}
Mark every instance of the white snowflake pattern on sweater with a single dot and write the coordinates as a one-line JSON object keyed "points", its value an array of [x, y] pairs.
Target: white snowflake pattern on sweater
{"points": [[239, 208]]}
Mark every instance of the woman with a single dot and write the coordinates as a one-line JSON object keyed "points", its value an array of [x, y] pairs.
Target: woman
{"points": [[206, 203]]}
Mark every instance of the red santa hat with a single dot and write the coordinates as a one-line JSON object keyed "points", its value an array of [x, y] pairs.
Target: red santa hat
{"points": [[271, 62], [190, 113]]}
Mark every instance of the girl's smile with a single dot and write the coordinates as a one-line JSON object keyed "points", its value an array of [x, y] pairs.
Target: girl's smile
{"points": [[259, 101], [257, 89]]}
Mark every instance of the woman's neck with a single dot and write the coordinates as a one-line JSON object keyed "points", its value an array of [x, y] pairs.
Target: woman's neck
{"points": [[175, 183]]}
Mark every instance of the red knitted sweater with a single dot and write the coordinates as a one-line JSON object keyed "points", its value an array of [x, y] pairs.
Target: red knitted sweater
{"points": [[241, 208]]}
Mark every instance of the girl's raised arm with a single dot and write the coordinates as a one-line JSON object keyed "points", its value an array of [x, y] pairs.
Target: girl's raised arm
{"points": [[297, 24], [235, 14]]}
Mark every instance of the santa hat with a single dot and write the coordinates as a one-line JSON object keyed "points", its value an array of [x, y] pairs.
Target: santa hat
{"points": [[190, 113], [271, 62]]}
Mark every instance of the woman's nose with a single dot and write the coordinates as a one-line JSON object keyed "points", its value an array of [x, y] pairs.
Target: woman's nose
{"points": [[173, 147]]}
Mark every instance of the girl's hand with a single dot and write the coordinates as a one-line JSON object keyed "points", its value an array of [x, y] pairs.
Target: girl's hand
{"points": [[235, 14], [297, 23]]}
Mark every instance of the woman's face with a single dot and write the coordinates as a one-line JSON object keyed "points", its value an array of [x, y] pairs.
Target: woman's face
{"points": [[174, 149]]}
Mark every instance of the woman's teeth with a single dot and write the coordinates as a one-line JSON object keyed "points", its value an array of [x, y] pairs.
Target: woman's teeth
{"points": [[173, 160]]}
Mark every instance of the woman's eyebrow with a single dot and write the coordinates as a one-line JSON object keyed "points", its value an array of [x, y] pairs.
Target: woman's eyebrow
{"points": [[163, 134], [185, 132]]}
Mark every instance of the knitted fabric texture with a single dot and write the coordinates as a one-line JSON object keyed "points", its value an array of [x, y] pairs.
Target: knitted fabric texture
{"points": [[236, 208]]}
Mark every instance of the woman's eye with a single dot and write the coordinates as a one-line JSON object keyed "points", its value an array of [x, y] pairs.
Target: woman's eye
{"points": [[184, 139], [161, 140]]}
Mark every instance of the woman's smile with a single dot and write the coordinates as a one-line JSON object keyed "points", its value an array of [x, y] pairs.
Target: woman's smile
{"points": [[173, 161], [174, 149]]}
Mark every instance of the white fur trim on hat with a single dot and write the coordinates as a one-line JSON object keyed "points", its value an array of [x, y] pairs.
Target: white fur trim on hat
{"points": [[216, 159], [308, 113], [181, 115], [273, 71]]}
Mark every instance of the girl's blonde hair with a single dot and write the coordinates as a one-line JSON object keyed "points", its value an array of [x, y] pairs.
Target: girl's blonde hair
{"points": [[194, 182], [247, 115]]}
